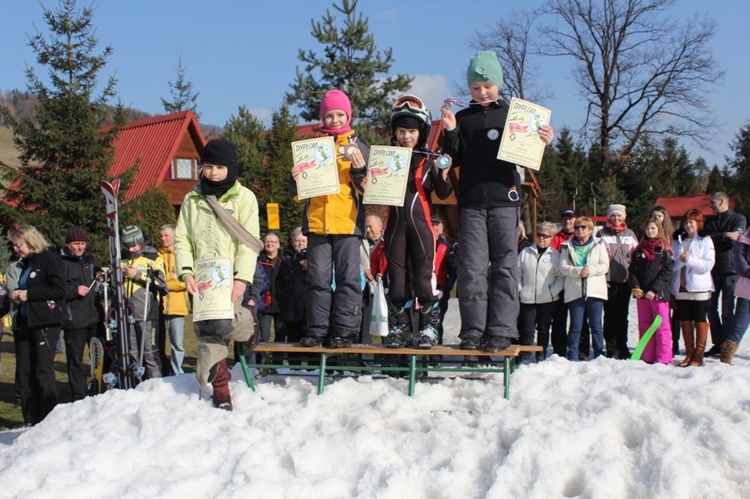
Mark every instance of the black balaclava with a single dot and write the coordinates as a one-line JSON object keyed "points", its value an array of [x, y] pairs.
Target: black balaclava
{"points": [[222, 153]]}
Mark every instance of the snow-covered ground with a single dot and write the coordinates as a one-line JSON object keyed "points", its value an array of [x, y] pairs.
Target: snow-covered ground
{"points": [[604, 428]]}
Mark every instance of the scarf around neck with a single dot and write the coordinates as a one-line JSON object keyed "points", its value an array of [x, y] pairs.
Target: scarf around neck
{"points": [[648, 247], [618, 228]]}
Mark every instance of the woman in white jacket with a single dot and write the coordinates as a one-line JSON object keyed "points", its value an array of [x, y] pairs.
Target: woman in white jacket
{"points": [[692, 284], [584, 263], [539, 287]]}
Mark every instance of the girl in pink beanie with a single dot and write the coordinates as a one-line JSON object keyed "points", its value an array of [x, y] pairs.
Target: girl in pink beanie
{"points": [[335, 227]]}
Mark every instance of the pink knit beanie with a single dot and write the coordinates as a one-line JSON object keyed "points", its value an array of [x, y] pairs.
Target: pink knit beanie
{"points": [[336, 99]]}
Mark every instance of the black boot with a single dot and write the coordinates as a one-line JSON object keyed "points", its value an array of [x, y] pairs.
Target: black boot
{"points": [[429, 320], [400, 333]]}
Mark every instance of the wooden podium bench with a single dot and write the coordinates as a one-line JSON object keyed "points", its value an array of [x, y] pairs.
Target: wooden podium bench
{"points": [[502, 361]]}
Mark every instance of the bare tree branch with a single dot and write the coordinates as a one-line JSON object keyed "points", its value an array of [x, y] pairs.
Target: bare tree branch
{"points": [[511, 38], [639, 72]]}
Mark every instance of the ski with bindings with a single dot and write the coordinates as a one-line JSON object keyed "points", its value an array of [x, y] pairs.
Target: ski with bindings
{"points": [[123, 375], [96, 350]]}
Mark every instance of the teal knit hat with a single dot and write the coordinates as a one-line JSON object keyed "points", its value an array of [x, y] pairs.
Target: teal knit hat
{"points": [[485, 67]]}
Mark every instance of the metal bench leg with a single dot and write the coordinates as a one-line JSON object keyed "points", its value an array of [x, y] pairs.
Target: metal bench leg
{"points": [[506, 376], [322, 371], [246, 372], [412, 373]]}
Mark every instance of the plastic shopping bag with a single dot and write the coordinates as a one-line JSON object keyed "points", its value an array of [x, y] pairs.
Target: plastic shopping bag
{"points": [[379, 317]]}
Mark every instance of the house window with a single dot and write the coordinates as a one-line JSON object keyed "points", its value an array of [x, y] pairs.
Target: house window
{"points": [[184, 168]]}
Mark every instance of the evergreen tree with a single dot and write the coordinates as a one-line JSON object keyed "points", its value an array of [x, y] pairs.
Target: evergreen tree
{"points": [[565, 170], [283, 132], [352, 64], [5, 257], [181, 93], [149, 212], [741, 165], [715, 181], [247, 134], [63, 152]]}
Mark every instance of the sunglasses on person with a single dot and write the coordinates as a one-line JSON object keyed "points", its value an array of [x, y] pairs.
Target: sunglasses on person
{"points": [[543, 236], [580, 227]]}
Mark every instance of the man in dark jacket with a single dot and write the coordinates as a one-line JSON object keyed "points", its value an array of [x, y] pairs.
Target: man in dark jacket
{"points": [[725, 228], [83, 313]]}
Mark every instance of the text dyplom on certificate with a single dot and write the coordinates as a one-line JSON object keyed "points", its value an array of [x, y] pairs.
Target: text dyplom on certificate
{"points": [[316, 159], [387, 174], [520, 143], [214, 279]]}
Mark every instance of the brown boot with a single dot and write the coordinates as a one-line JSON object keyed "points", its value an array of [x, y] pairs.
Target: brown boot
{"points": [[688, 338], [701, 335], [221, 397], [728, 349]]}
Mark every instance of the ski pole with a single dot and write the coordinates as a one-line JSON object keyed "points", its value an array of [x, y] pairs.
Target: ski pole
{"points": [[145, 318]]}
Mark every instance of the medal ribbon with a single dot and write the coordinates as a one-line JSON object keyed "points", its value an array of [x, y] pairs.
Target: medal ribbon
{"points": [[448, 102]]}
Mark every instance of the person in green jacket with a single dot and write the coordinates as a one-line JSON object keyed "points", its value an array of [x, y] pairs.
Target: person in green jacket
{"points": [[200, 235]]}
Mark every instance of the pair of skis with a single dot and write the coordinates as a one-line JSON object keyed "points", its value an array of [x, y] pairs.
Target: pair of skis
{"points": [[123, 370]]}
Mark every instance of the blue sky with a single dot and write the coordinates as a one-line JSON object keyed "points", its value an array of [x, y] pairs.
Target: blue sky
{"points": [[245, 52]]}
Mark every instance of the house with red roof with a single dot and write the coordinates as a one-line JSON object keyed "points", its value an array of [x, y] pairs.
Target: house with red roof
{"points": [[677, 206], [167, 151]]}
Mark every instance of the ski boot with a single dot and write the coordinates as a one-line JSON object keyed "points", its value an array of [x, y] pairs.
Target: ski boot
{"points": [[341, 339], [400, 333], [429, 319]]}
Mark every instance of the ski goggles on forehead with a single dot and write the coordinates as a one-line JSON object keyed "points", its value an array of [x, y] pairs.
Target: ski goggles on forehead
{"points": [[409, 102]]}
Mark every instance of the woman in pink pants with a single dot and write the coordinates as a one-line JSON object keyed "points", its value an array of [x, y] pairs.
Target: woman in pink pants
{"points": [[650, 277]]}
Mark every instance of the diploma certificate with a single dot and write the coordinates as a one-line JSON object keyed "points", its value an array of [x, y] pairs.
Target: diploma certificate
{"points": [[319, 173], [387, 174], [520, 143], [215, 282]]}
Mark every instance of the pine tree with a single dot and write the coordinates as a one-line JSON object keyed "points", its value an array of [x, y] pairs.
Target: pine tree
{"points": [[247, 133], [565, 169], [741, 166], [181, 92], [63, 152], [716, 181], [282, 133], [149, 212], [352, 64]]}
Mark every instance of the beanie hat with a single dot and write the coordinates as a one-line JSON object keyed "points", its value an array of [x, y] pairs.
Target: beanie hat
{"points": [[222, 153], [618, 209], [336, 99], [76, 233], [131, 236], [484, 67]]}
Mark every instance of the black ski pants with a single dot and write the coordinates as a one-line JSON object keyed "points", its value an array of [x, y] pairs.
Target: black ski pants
{"points": [[75, 344], [35, 358]]}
